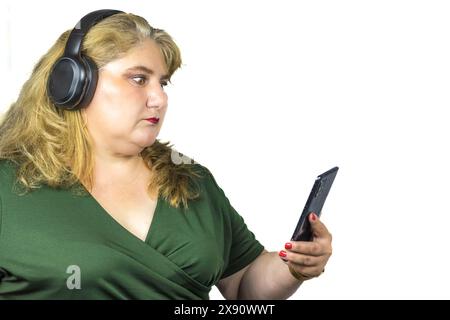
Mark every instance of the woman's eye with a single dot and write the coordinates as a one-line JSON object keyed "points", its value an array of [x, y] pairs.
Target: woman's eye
{"points": [[140, 80]]}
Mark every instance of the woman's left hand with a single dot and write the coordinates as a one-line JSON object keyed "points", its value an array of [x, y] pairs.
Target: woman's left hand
{"points": [[307, 259]]}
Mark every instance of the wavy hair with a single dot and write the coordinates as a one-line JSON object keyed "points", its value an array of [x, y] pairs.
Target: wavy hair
{"points": [[53, 147]]}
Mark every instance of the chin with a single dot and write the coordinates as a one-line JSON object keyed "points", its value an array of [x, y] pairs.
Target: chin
{"points": [[143, 138], [147, 143]]}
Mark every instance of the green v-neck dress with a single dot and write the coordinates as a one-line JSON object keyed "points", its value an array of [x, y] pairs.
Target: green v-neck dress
{"points": [[55, 244]]}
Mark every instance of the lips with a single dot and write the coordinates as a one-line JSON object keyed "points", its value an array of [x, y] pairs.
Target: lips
{"points": [[153, 120]]}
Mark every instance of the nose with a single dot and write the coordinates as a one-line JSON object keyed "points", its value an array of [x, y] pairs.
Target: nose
{"points": [[156, 97]]}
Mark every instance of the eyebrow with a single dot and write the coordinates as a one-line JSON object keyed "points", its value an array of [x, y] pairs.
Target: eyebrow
{"points": [[147, 70]]}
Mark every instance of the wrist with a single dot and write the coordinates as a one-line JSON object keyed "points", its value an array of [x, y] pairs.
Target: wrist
{"points": [[297, 275], [300, 276]]}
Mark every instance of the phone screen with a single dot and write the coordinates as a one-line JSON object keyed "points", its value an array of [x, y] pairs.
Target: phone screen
{"points": [[315, 202]]}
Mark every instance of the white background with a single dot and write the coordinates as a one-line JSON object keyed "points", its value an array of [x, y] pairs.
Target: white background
{"points": [[273, 93]]}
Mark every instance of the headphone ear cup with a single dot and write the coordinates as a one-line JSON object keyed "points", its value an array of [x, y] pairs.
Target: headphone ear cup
{"points": [[90, 81], [73, 78], [66, 82]]}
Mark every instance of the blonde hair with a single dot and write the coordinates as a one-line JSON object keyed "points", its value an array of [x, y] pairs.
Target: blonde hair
{"points": [[53, 147]]}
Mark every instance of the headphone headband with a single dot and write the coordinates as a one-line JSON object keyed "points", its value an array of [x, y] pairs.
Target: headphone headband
{"points": [[73, 46]]}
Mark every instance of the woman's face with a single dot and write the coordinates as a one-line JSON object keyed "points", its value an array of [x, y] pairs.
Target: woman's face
{"points": [[129, 91]]}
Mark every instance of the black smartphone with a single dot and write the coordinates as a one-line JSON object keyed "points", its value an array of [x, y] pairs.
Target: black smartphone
{"points": [[315, 202]]}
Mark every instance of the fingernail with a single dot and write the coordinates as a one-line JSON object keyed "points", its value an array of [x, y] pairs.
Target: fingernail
{"points": [[288, 245], [313, 216], [282, 253]]}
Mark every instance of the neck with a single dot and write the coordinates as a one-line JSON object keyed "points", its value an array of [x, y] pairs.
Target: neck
{"points": [[110, 169]]}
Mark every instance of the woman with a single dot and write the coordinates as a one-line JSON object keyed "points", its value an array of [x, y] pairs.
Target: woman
{"points": [[93, 206]]}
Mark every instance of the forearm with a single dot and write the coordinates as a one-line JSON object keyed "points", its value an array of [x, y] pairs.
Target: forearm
{"points": [[267, 278]]}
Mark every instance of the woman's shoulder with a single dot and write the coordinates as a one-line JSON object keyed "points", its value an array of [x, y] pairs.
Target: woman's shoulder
{"points": [[202, 172], [5, 163], [7, 168], [200, 169], [7, 173], [208, 180], [6, 177]]}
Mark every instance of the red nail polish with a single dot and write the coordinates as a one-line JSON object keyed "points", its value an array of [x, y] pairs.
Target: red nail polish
{"points": [[282, 253], [313, 216], [288, 245]]}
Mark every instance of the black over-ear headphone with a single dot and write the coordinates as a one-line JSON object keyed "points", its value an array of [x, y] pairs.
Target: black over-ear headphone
{"points": [[73, 78]]}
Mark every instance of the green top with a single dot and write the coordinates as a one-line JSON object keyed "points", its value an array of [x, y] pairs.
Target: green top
{"points": [[58, 245]]}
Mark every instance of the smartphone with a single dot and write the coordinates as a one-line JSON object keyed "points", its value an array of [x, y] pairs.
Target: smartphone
{"points": [[315, 202]]}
